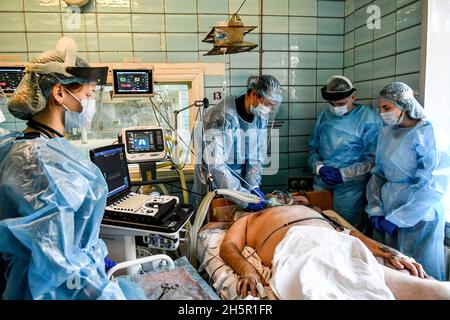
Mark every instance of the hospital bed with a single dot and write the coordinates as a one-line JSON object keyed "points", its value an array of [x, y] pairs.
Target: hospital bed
{"points": [[221, 277], [162, 279]]}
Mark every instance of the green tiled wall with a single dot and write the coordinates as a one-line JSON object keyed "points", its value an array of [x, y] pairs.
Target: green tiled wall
{"points": [[374, 58], [303, 43]]}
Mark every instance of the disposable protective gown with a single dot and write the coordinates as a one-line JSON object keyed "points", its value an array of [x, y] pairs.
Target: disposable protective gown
{"points": [[52, 203], [347, 143], [408, 186]]}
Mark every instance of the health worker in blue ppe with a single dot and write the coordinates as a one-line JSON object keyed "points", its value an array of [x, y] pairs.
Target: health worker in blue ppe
{"points": [[233, 141], [53, 198], [409, 181], [342, 149]]}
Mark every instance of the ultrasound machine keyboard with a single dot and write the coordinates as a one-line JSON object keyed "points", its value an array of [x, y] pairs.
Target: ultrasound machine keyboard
{"points": [[139, 204]]}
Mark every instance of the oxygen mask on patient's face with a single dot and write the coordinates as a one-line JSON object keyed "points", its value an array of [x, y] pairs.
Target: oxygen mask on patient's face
{"points": [[281, 198]]}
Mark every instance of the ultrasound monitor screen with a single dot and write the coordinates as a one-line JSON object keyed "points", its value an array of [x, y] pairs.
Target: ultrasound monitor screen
{"points": [[112, 164], [133, 82], [10, 78]]}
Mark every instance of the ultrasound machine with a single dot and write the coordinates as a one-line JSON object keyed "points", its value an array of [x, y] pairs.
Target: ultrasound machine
{"points": [[157, 218]]}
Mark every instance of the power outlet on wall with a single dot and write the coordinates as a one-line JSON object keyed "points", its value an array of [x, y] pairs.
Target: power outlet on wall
{"points": [[300, 183]]}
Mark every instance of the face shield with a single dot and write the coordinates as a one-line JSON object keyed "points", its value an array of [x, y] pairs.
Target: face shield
{"points": [[270, 94], [337, 88], [60, 66]]}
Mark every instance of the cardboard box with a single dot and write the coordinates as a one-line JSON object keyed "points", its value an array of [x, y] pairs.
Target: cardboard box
{"points": [[322, 199]]}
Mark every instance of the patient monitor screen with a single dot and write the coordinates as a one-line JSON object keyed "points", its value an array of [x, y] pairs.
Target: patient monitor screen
{"points": [[113, 165], [10, 78], [133, 82], [144, 141]]}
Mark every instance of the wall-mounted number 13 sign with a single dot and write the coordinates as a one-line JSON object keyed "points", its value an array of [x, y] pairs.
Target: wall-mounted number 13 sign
{"points": [[217, 95]]}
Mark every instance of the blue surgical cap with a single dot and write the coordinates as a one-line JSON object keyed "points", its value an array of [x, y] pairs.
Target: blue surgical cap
{"points": [[403, 97]]}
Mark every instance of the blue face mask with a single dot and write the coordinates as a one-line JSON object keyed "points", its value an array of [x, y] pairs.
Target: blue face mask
{"points": [[81, 119]]}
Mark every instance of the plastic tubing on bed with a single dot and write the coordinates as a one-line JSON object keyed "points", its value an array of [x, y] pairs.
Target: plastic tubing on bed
{"points": [[148, 259]]}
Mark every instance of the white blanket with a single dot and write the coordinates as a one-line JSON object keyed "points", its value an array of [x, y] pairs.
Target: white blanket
{"points": [[319, 263]]}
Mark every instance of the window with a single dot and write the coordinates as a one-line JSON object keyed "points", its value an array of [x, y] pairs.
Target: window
{"points": [[114, 114]]}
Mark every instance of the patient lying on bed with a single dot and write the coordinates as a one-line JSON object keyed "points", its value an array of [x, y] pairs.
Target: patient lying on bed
{"points": [[313, 258]]}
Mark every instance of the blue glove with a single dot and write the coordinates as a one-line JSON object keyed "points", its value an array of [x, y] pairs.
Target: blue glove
{"points": [[257, 191], [109, 263], [256, 206], [389, 227], [377, 223], [330, 175]]}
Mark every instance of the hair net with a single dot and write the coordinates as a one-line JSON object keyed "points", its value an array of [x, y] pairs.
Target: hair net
{"points": [[403, 96], [41, 74], [269, 88], [337, 88]]}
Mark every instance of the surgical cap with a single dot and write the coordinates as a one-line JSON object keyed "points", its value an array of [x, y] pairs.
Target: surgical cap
{"points": [[268, 87], [52, 67], [337, 88], [403, 97]]}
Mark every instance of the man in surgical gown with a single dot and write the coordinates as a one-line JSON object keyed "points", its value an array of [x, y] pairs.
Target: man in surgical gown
{"points": [[342, 148], [233, 141], [52, 198], [410, 181]]}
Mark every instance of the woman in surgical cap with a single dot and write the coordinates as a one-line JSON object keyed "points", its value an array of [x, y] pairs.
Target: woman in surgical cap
{"points": [[410, 179], [52, 198]]}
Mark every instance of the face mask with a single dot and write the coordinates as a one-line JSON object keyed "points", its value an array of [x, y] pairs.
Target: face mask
{"points": [[84, 118], [391, 119], [338, 111], [260, 110]]}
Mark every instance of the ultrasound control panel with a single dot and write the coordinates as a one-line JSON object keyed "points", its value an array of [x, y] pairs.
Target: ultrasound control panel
{"points": [[162, 214], [142, 204]]}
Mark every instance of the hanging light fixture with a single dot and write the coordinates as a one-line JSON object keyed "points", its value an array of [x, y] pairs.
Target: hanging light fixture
{"points": [[229, 38]]}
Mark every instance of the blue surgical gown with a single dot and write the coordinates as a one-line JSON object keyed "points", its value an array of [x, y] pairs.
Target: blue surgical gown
{"points": [[52, 202], [233, 150], [409, 182], [347, 143]]}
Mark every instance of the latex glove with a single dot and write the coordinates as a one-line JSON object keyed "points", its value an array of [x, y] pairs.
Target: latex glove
{"points": [[389, 227], [109, 263], [256, 206], [331, 176], [257, 191], [377, 223]]}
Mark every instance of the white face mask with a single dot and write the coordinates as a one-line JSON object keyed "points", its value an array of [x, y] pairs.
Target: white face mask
{"points": [[338, 111], [260, 110], [390, 118], [81, 119]]}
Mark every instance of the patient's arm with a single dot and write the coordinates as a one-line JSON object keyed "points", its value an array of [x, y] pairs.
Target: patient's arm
{"points": [[231, 252], [394, 257]]}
